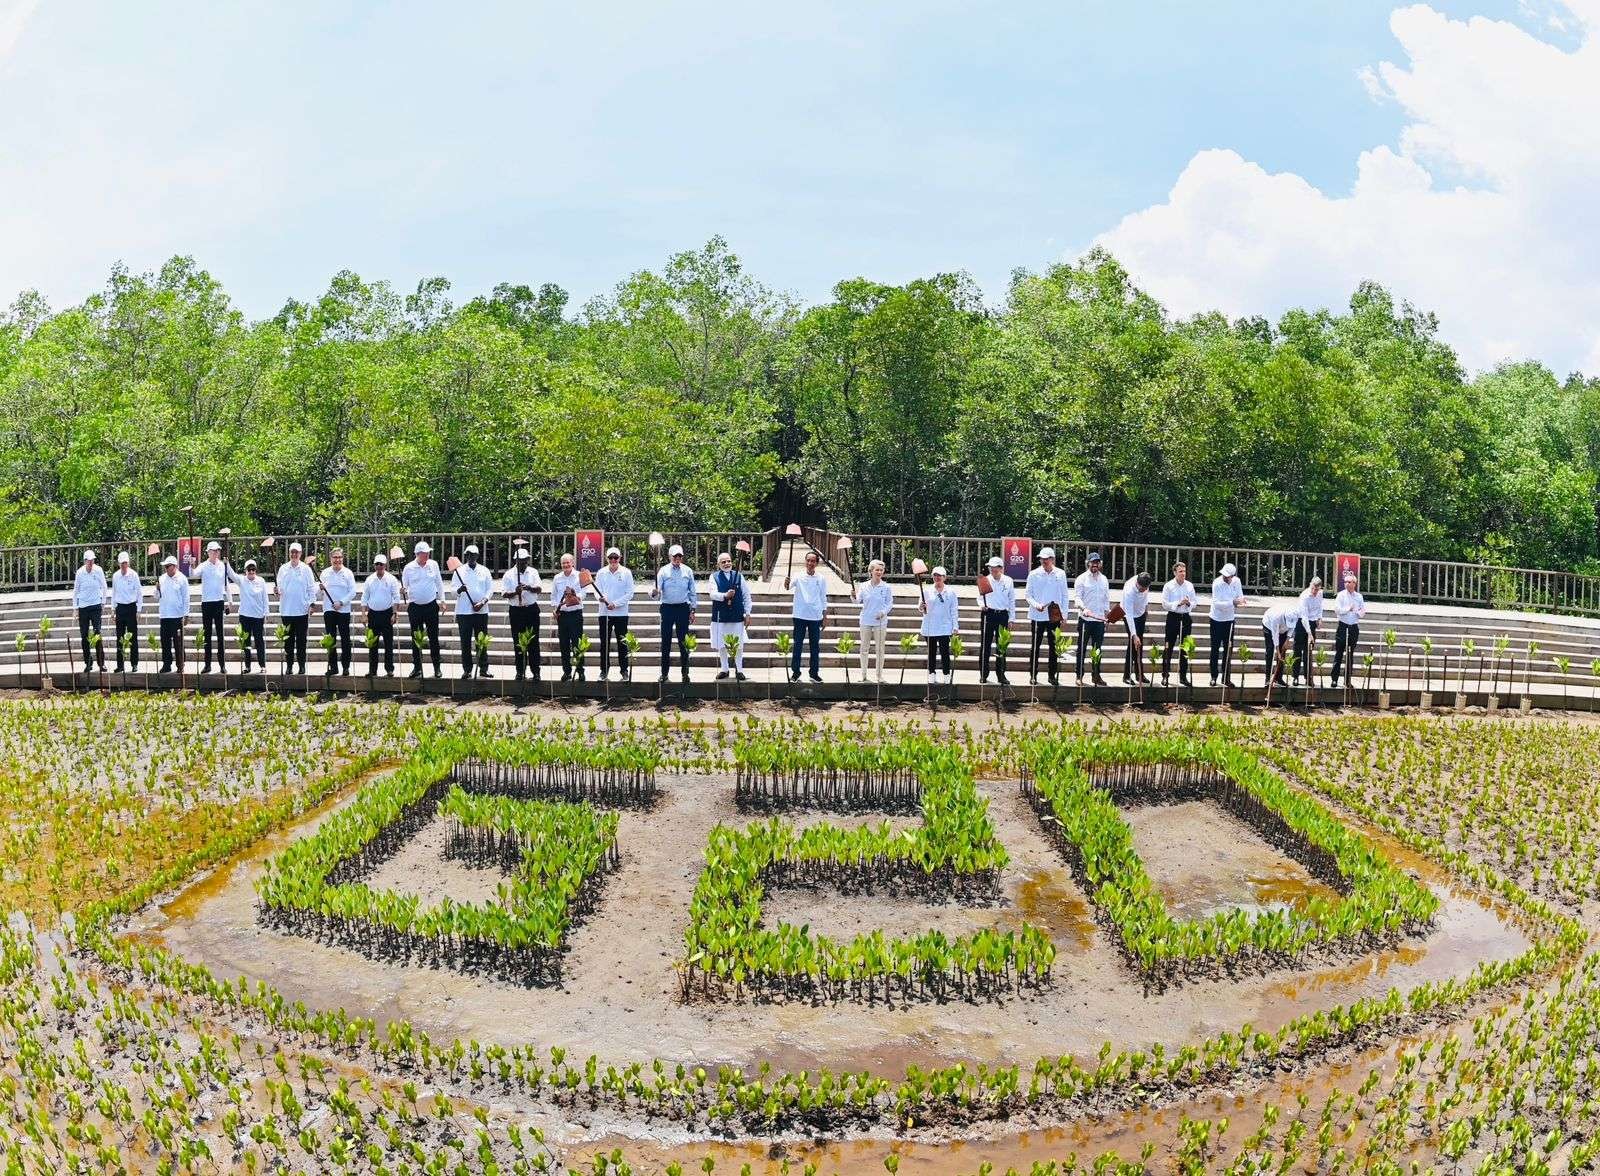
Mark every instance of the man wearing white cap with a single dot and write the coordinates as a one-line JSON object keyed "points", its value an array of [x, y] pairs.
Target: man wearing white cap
{"points": [[675, 588], [1227, 597], [1352, 608], [338, 598], [421, 586], [566, 590], [472, 583], [380, 592], [253, 615], [810, 614], [1306, 635], [297, 591], [613, 584], [1091, 591], [730, 605], [215, 576], [1047, 585], [999, 613], [89, 591], [941, 617], [172, 607], [126, 593], [520, 587]]}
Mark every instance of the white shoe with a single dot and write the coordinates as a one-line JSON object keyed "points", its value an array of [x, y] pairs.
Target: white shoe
{"points": [[933, 679]]}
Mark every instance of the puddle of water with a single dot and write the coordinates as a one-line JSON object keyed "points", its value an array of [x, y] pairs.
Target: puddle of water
{"points": [[1050, 902]]}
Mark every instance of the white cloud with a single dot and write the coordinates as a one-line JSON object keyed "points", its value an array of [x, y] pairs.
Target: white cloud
{"points": [[1483, 211], [14, 16]]}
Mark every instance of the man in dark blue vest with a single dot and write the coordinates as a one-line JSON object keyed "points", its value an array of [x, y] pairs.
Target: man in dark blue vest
{"points": [[730, 607]]}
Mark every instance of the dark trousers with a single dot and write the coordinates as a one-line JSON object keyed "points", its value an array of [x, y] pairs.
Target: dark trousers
{"points": [[1221, 649], [1271, 657], [569, 627], [128, 622], [1132, 659], [1345, 639], [338, 624], [1043, 631], [89, 618], [613, 629], [939, 651], [424, 618], [255, 633], [380, 623], [1090, 633], [1302, 649], [802, 631], [171, 643], [469, 625], [994, 620], [1179, 625], [525, 619], [211, 614], [294, 646], [674, 620]]}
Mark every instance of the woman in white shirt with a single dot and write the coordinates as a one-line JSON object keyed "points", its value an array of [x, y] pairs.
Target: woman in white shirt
{"points": [[876, 598], [940, 620], [253, 615], [1311, 611]]}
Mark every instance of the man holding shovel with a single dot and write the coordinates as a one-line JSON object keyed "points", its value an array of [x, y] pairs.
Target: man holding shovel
{"points": [[521, 587], [472, 582], [730, 606]]}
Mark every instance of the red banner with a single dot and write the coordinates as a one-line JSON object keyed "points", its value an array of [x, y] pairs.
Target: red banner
{"points": [[589, 548], [1018, 554], [1345, 563], [189, 555]]}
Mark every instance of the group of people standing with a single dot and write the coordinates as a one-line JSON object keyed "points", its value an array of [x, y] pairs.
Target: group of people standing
{"points": [[1289, 628]]}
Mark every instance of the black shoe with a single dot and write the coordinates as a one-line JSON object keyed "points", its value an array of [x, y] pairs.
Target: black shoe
{"points": [[302, 671], [373, 672], [983, 679], [206, 669], [740, 675], [329, 672], [1230, 684], [794, 677], [165, 670], [119, 668], [1127, 679], [1333, 683], [521, 675], [1185, 682], [1099, 681], [663, 677], [389, 672], [816, 677], [415, 673], [437, 672], [627, 676], [566, 676], [1055, 680], [722, 675], [466, 674], [1004, 681], [684, 674], [485, 673]]}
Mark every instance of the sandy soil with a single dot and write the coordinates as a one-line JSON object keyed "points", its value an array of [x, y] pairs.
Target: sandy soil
{"points": [[619, 995]]}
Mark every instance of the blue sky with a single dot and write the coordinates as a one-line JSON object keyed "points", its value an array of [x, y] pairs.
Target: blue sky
{"points": [[514, 142]]}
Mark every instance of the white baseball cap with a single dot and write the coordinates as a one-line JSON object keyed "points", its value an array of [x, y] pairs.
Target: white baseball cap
{"points": [[522, 553], [675, 549], [610, 551], [1048, 553], [170, 562], [939, 571], [472, 549], [213, 546], [420, 548], [295, 546], [124, 557], [1229, 570], [996, 562], [248, 564], [381, 558], [88, 555]]}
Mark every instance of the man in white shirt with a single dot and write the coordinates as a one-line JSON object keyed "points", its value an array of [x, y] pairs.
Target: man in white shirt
{"points": [[297, 591], [379, 596], [338, 597], [613, 584], [1047, 585], [1091, 592], [566, 590], [875, 598], [1135, 607], [1227, 597], [1178, 599], [472, 583], [521, 587], [998, 612], [172, 607], [1278, 627], [729, 593], [126, 594], [89, 592], [1311, 611], [253, 615], [421, 586], [675, 587], [941, 617], [810, 614], [1351, 607], [215, 576]]}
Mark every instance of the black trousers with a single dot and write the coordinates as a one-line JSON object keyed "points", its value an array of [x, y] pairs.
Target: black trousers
{"points": [[211, 614], [338, 623], [128, 622], [994, 620], [469, 625], [1302, 649], [255, 633], [1345, 640], [424, 618], [294, 648], [801, 631], [569, 627], [171, 643], [1132, 659], [674, 620], [1043, 631], [1272, 658], [525, 619], [1221, 649], [939, 650], [1090, 633], [613, 629], [89, 618], [1178, 626], [380, 623]]}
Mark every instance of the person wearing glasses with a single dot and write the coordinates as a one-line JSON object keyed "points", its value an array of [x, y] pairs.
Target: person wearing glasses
{"points": [[614, 585]]}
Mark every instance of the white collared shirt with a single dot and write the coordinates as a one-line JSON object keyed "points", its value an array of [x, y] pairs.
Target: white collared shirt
{"points": [[558, 590], [810, 596], [340, 585], [89, 587], [1178, 598], [1224, 595], [1044, 589], [471, 584], [617, 587], [943, 617], [173, 593], [422, 585], [1135, 600], [214, 580], [1311, 604], [380, 592], [528, 580], [253, 596], [1351, 606], [1092, 591], [297, 587], [1002, 595], [1280, 620], [125, 587], [875, 600]]}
